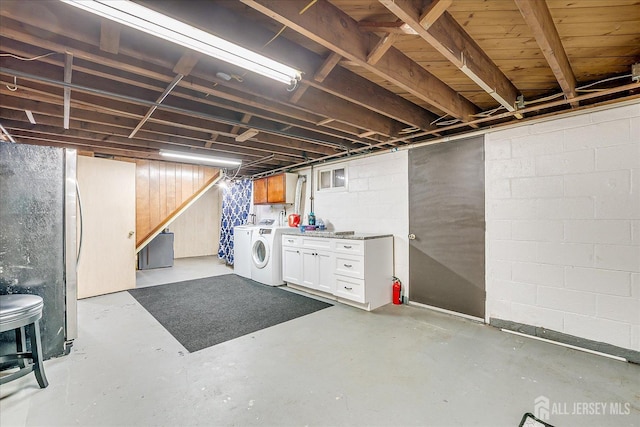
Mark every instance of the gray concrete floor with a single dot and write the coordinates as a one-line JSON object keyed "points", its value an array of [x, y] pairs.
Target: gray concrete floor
{"points": [[396, 366], [183, 269]]}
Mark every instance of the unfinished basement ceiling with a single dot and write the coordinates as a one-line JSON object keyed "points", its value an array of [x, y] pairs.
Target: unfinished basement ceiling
{"points": [[376, 74]]}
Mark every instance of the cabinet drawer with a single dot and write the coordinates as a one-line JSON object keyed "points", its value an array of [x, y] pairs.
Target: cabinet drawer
{"points": [[352, 289], [290, 240], [315, 243], [352, 266], [349, 246]]}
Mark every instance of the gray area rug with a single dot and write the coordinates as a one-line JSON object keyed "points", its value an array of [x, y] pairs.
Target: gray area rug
{"points": [[204, 312]]}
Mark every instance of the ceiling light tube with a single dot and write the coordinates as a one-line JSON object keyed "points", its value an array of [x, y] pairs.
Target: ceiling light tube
{"points": [[157, 24], [204, 159]]}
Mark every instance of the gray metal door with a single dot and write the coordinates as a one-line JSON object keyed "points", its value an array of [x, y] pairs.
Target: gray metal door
{"points": [[446, 216]]}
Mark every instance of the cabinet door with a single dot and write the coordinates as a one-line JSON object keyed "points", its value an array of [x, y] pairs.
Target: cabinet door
{"points": [[276, 189], [260, 191], [309, 268], [325, 266], [292, 265]]}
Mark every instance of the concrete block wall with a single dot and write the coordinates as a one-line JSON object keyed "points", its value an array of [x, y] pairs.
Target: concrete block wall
{"points": [[375, 201], [563, 225]]}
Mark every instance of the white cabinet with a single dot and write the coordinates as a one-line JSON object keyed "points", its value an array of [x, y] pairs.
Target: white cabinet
{"points": [[356, 272], [291, 264], [317, 270]]}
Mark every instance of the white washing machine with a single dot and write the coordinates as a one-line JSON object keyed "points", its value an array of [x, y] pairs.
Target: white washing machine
{"points": [[242, 249], [266, 255]]}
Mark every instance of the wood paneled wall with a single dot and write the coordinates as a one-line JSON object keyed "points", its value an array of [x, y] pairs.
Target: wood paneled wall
{"points": [[162, 188], [197, 230]]}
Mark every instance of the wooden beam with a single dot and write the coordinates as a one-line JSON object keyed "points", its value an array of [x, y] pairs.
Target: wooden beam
{"points": [[242, 98], [329, 64], [249, 133], [245, 119], [298, 138], [103, 135], [186, 63], [324, 122], [396, 27], [327, 25], [161, 98], [449, 38], [211, 140], [340, 83], [366, 134], [297, 94], [342, 110], [109, 36], [68, 70], [381, 48], [351, 87], [537, 16], [433, 12]]}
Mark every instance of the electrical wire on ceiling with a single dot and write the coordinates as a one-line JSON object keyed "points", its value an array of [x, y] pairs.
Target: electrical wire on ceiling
{"points": [[294, 85], [578, 89], [22, 58], [489, 112], [411, 129], [546, 98], [284, 27], [438, 119], [225, 179], [439, 122], [584, 88]]}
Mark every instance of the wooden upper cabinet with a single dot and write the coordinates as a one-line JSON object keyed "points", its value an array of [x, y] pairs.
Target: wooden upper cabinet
{"points": [[260, 191], [275, 190], [276, 187]]}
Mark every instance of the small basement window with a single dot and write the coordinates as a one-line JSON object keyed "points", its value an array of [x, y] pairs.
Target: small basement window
{"points": [[332, 179]]}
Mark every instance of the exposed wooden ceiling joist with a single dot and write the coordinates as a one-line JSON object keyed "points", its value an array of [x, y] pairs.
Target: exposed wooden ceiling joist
{"points": [[153, 85], [329, 26], [538, 17], [440, 30], [109, 36], [340, 82], [384, 44], [86, 53], [68, 70], [343, 105]]}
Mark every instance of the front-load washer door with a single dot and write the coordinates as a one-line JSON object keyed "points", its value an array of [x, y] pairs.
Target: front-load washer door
{"points": [[260, 252]]}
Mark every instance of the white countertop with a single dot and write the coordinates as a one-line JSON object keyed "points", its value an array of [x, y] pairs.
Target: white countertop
{"points": [[336, 234]]}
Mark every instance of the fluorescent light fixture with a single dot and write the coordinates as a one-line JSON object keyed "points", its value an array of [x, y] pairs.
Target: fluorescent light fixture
{"points": [[141, 18], [203, 159], [32, 120], [246, 135]]}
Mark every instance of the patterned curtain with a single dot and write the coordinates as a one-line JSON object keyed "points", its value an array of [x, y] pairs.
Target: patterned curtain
{"points": [[236, 201]]}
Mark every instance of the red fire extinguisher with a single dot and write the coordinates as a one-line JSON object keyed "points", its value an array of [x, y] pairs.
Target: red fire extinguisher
{"points": [[397, 288]]}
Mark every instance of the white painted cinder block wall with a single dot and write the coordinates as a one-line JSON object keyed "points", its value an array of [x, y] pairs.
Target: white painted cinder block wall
{"points": [[375, 201], [563, 225]]}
